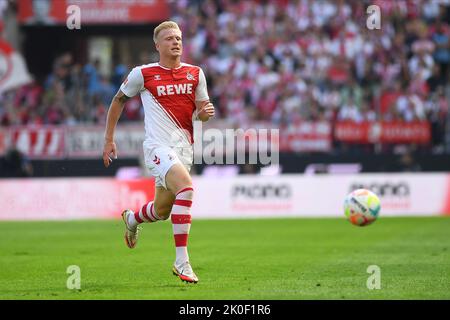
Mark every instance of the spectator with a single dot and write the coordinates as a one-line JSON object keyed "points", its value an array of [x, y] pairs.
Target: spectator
{"points": [[278, 61], [441, 38], [15, 165]]}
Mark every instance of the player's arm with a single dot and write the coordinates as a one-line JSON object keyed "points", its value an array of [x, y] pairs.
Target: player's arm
{"points": [[204, 109], [114, 113], [132, 85]]}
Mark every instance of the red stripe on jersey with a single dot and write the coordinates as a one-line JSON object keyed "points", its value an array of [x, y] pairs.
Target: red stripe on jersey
{"points": [[181, 240], [173, 119], [175, 122], [183, 203], [183, 190], [181, 218]]}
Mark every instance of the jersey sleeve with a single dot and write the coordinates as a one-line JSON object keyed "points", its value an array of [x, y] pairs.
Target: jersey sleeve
{"points": [[133, 84], [201, 92]]}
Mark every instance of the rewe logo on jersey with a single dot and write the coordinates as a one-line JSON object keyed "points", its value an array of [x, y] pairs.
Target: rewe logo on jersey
{"points": [[172, 89]]}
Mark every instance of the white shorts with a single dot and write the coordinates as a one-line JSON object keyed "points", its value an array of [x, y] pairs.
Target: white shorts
{"points": [[159, 160]]}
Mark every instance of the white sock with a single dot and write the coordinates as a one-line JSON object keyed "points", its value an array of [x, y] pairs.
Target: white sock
{"points": [[182, 256]]}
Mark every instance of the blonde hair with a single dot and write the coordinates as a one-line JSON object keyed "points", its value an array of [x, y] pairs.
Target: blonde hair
{"points": [[164, 25]]}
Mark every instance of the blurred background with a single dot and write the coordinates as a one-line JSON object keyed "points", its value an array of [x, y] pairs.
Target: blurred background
{"points": [[346, 99]]}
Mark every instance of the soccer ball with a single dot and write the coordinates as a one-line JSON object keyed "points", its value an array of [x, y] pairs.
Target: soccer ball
{"points": [[361, 207]]}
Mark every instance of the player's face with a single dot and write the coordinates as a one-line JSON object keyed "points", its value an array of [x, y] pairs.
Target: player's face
{"points": [[169, 43]]}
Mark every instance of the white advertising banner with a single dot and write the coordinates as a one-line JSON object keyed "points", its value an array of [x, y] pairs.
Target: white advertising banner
{"points": [[314, 196], [215, 137], [88, 141], [244, 196]]}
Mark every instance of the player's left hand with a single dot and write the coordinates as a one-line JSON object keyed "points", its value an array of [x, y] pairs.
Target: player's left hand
{"points": [[206, 112]]}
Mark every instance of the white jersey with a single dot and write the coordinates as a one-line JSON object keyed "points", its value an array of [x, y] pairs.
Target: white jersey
{"points": [[168, 97]]}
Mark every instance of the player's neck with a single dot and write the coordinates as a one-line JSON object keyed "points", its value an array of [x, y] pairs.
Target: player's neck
{"points": [[170, 63]]}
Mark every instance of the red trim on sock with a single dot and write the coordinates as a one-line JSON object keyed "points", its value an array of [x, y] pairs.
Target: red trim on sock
{"points": [[144, 212], [151, 212], [136, 216], [181, 240], [183, 190], [180, 218], [183, 203]]}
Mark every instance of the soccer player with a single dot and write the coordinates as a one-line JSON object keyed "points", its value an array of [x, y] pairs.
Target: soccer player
{"points": [[173, 95]]}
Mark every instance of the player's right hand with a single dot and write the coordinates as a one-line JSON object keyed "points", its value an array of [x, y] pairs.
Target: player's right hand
{"points": [[109, 150]]}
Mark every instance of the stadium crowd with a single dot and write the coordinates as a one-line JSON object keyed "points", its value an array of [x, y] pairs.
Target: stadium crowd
{"points": [[279, 61]]}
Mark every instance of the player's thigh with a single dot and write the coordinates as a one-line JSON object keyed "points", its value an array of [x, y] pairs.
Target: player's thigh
{"points": [[163, 202], [159, 160], [178, 178]]}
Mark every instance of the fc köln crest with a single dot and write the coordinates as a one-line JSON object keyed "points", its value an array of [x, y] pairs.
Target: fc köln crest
{"points": [[190, 76]]}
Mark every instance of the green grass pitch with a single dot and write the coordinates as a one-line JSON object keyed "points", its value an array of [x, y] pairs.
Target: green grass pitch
{"points": [[234, 259]]}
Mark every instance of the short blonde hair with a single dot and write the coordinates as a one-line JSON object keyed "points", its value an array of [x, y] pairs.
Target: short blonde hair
{"points": [[164, 25]]}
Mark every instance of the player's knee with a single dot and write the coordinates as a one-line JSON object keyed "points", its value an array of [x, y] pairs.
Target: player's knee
{"points": [[187, 190], [177, 179], [183, 183]]}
